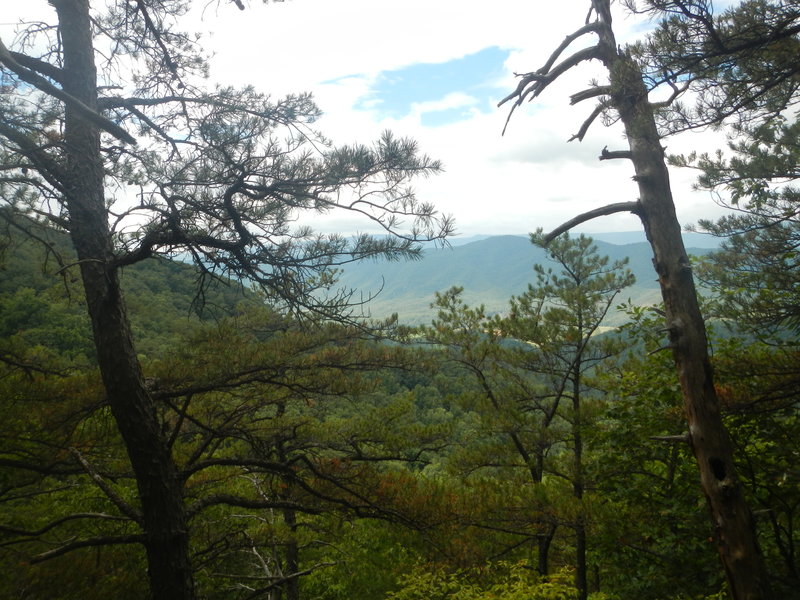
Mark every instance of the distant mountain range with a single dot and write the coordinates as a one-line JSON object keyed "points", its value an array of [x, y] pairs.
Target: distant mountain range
{"points": [[690, 239], [491, 270]]}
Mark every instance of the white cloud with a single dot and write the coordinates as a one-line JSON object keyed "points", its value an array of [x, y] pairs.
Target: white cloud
{"points": [[514, 183], [305, 42]]}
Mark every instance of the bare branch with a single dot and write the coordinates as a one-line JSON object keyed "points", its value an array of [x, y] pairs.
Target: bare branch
{"points": [[34, 64], [598, 110], [592, 214], [676, 91], [123, 506], [270, 466], [681, 439], [588, 28], [261, 591], [607, 154], [593, 92], [535, 83], [107, 540], [57, 522], [241, 502]]}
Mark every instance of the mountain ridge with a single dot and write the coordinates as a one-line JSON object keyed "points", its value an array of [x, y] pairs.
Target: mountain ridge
{"points": [[490, 270]]}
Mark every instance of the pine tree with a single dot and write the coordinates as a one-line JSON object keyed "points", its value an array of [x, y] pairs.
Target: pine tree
{"points": [[134, 160]]}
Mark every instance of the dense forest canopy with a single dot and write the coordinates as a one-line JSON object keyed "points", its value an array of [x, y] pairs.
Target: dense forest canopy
{"points": [[194, 409]]}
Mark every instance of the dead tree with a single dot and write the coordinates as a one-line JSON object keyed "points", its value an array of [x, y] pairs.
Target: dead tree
{"points": [[626, 96]]}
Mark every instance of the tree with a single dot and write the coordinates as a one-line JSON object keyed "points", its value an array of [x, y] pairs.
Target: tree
{"points": [[531, 368], [740, 66], [561, 317], [512, 433], [756, 270], [626, 97], [758, 386], [644, 470], [755, 275], [212, 181]]}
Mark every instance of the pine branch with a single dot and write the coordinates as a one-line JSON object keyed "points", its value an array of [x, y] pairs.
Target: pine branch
{"points": [[43, 162], [151, 26], [36, 80]]}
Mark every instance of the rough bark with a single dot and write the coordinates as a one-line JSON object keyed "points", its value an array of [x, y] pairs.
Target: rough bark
{"points": [[708, 437], [163, 520]]}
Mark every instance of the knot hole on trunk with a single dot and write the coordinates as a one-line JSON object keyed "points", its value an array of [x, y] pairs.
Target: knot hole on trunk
{"points": [[717, 467]]}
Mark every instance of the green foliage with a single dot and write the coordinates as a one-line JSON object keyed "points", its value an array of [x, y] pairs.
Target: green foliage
{"points": [[263, 414], [652, 536], [50, 420], [43, 311], [759, 392], [755, 273], [422, 444], [493, 581], [363, 561], [315, 458]]}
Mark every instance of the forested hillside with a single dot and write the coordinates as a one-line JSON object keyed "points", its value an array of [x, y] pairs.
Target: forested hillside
{"points": [[326, 465], [194, 407], [43, 303]]}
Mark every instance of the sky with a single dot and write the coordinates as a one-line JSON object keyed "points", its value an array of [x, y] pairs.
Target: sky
{"points": [[434, 71]]}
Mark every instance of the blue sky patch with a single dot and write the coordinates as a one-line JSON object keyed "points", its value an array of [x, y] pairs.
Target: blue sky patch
{"points": [[436, 118], [470, 77]]}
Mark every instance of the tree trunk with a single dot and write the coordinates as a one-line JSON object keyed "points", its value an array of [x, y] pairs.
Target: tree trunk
{"points": [[708, 437], [543, 550], [292, 562], [581, 573], [578, 484], [163, 515], [544, 540]]}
